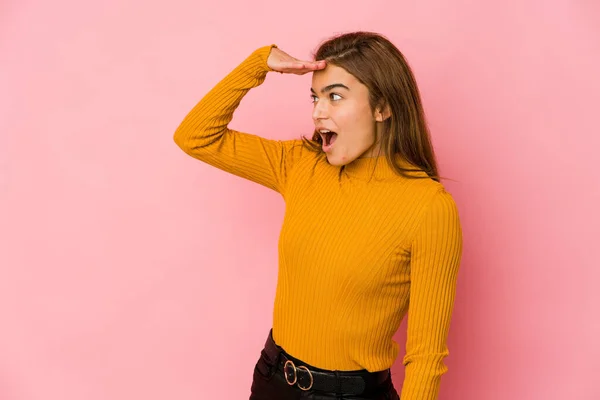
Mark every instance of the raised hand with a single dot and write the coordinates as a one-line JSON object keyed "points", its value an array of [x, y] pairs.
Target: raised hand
{"points": [[282, 62]]}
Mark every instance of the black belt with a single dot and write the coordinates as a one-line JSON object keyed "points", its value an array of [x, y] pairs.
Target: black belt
{"points": [[306, 377]]}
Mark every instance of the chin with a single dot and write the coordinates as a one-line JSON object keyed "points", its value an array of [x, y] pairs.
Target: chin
{"points": [[338, 161]]}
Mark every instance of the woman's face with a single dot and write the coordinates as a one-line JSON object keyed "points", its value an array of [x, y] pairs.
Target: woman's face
{"points": [[341, 106]]}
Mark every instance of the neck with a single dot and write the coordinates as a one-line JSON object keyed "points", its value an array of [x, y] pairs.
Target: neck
{"points": [[375, 167]]}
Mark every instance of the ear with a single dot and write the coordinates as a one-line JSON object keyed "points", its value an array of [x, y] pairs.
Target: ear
{"points": [[382, 113]]}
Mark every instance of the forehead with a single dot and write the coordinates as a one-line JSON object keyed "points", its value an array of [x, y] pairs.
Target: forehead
{"points": [[332, 74]]}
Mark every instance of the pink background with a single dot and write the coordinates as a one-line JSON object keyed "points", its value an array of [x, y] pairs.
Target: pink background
{"points": [[132, 271]]}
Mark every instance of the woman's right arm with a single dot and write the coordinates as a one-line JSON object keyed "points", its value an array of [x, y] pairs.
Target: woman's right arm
{"points": [[204, 133]]}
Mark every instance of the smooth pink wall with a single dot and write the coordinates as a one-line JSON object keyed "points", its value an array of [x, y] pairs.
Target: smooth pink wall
{"points": [[127, 269]]}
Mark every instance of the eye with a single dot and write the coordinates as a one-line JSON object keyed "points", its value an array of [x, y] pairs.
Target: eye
{"points": [[331, 96], [313, 98]]}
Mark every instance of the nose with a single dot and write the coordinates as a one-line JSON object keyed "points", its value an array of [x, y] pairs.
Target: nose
{"points": [[319, 110]]}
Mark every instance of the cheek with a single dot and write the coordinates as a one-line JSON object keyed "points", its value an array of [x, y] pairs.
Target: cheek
{"points": [[353, 116], [359, 124]]}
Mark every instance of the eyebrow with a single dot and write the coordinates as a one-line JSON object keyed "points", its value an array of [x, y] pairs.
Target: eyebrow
{"points": [[332, 86]]}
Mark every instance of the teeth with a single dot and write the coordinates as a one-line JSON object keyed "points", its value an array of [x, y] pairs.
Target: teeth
{"points": [[324, 131]]}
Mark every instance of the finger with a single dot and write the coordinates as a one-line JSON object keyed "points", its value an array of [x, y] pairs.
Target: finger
{"points": [[295, 71], [304, 71], [310, 65], [301, 67], [293, 65], [317, 65], [313, 64]]}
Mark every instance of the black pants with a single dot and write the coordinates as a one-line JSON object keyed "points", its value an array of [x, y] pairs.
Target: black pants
{"points": [[269, 383]]}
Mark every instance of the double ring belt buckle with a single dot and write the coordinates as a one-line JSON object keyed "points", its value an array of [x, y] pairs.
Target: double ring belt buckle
{"points": [[289, 365]]}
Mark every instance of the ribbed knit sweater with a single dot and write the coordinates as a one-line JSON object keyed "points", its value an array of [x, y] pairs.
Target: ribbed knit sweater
{"points": [[360, 246]]}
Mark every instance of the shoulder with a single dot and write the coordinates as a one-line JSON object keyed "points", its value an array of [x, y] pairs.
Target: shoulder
{"points": [[443, 203], [439, 197], [436, 203], [298, 149], [293, 147], [440, 217], [422, 186]]}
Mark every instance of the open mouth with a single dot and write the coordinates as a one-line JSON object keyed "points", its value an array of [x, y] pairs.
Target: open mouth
{"points": [[328, 137]]}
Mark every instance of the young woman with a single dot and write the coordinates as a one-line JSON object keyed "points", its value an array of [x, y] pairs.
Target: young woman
{"points": [[369, 232]]}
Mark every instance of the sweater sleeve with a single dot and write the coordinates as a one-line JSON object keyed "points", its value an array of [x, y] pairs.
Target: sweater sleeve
{"points": [[435, 257], [204, 132]]}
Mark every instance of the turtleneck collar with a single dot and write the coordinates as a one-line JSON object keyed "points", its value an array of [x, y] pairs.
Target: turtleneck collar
{"points": [[376, 168]]}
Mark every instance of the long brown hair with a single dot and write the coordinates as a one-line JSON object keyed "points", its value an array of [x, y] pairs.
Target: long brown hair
{"points": [[379, 65]]}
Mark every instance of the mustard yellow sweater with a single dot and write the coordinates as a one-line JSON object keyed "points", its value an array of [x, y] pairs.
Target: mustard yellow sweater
{"points": [[357, 251]]}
